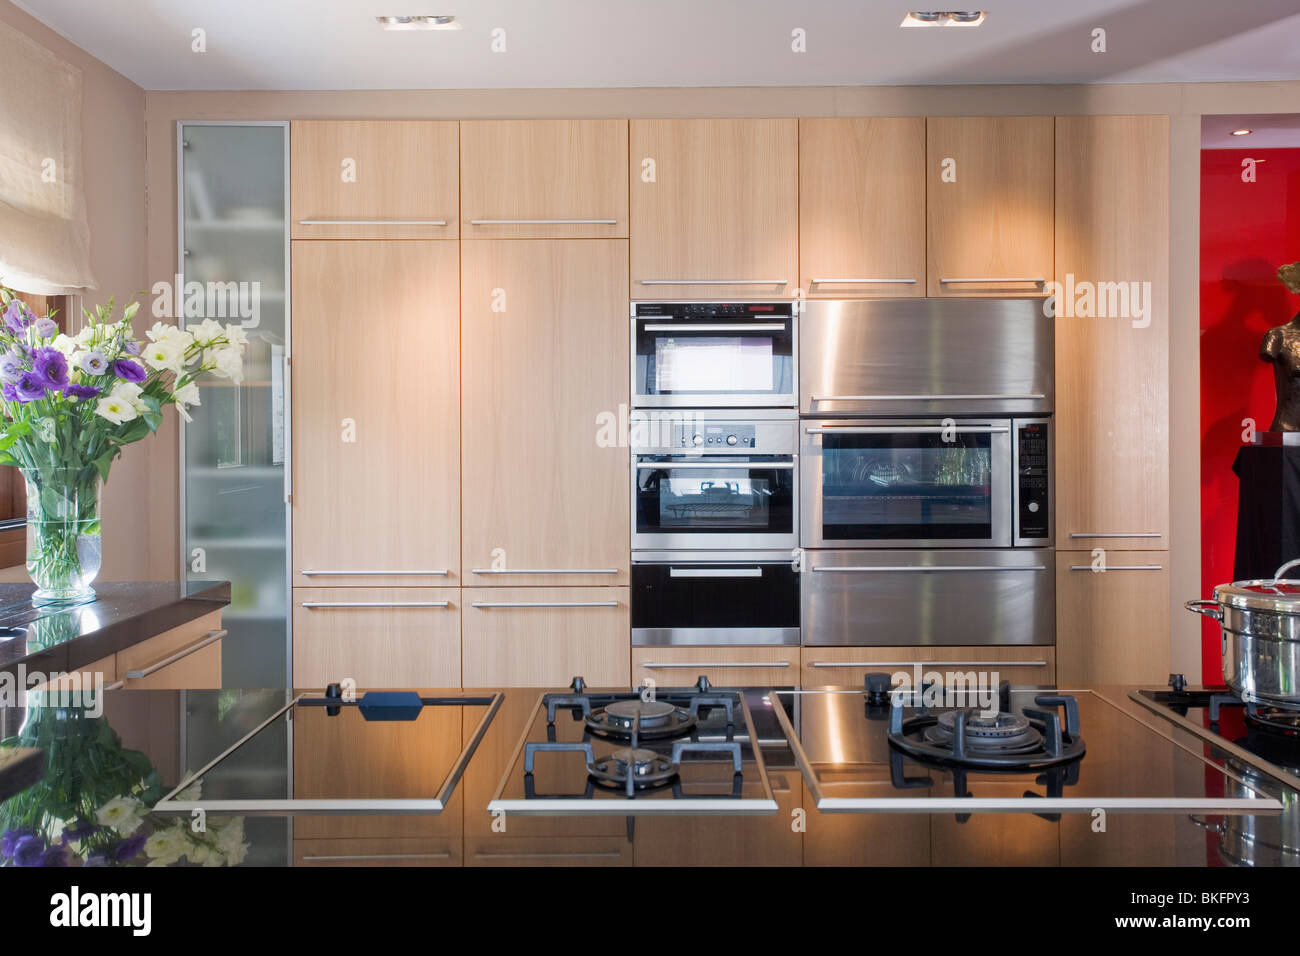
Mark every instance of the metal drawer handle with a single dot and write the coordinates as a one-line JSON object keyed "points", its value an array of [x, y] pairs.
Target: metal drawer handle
{"points": [[543, 222], [732, 327], [1117, 567], [862, 281], [210, 638], [580, 855], [338, 574], [372, 222], [543, 571], [1114, 534], [714, 281], [116, 685], [652, 666], [328, 604], [997, 279], [747, 465], [902, 430], [715, 572], [927, 398], [914, 663], [926, 567], [510, 604], [375, 856]]}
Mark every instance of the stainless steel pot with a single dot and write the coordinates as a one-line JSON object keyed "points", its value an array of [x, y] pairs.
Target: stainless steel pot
{"points": [[1262, 840], [1260, 625]]}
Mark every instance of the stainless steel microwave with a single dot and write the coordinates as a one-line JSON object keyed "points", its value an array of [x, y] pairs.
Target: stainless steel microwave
{"points": [[714, 355]]}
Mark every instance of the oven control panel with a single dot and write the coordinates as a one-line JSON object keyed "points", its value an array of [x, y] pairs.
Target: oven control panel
{"points": [[1033, 481], [713, 436]]}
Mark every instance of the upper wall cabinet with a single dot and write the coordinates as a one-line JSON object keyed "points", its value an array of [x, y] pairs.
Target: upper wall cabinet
{"points": [[715, 208], [543, 179], [862, 207], [989, 208], [1112, 332], [374, 179]]}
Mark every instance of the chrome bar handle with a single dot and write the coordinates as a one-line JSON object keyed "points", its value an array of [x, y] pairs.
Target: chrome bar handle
{"points": [[715, 572], [330, 604], [1038, 279], [909, 430], [1039, 663], [727, 327], [678, 665], [928, 567], [1117, 567], [714, 281], [543, 222], [1114, 534], [747, 465], [209, 638], [543, 571], [526, 604], [926, 398], [372, 222], [374, 574], [862, 281]]}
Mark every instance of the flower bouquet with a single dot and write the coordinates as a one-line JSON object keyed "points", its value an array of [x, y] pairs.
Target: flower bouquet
{"points": [[71, 402]]}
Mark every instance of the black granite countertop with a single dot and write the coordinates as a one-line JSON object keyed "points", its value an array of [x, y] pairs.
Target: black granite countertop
{"points": [[50, 640]]}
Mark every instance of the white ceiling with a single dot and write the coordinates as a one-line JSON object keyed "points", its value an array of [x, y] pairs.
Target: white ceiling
{"points": [[1267, 131], [336, 44]]}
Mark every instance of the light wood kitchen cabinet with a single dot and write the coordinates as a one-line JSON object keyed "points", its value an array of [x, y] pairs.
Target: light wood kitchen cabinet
{"points": [[545, 637], [379, 637], [543, 179], [1112, 369], [83, 678], [187, 657], [375, 384], [989, 205], [862, 207], [390, 851], [723, 666], [374, 179], [714, 208], [545, 333], [1019, 664], [1112, 626]]}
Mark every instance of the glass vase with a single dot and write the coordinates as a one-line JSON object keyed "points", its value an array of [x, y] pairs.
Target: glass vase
{"points": [[63, 535]]}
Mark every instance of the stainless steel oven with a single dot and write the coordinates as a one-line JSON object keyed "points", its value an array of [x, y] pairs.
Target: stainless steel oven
{"points": [[926, 483], [714, 598], [714, 355], [710, 481]]}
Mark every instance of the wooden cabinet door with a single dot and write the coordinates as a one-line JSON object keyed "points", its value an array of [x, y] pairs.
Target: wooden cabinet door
{"points": [[715, 208], [374, 179], [1112, 369], [545, 637], [379, 637], [862, 207], [187, 657], [542, 179], [545, 332], [375, 382], [989, 205], [1112, 626]]}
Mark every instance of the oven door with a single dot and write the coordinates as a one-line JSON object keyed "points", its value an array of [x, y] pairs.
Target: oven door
{"points": [[708, 598], [915, 484], [708, 363], [724, 501]]}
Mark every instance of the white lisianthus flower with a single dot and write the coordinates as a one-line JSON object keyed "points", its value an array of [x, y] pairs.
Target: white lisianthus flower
{"points": [[123, 814], [192, 793], [116, 409], [162, 332], [164, 356], [184, 397], [65, 344], [130, 392], [86, 337], [228, 363], [166, 846], [235, 335], [207, 332]]}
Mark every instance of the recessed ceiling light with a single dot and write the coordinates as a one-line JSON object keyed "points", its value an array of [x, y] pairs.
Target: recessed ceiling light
{"points": [[419, 23], [1241, 132], [943, 18]]}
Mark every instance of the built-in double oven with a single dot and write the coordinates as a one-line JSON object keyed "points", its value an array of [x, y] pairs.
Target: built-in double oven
{"points": [[926, 465], [715, 474]]}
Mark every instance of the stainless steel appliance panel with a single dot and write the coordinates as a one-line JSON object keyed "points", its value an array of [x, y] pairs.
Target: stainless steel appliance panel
{"points": [[926, 357], [928, 598]]}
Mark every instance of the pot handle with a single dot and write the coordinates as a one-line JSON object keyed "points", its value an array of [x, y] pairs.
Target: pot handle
{"points": [[1206, 824], [1277, 575], [1208, 608]]}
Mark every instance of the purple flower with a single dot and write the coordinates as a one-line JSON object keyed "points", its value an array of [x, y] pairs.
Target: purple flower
{"points": [[55, 856], [17, 316], [9, 392], [129, 848], [52, 366], [30, 387], [46, 327], [28, 850], [129, 370], [80, 392], [82, 828], [9, 840], [92, 363], [11, 367], [132, 347]]}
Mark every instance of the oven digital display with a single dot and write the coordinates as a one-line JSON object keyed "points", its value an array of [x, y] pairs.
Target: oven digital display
{"points": [[714, 364]]}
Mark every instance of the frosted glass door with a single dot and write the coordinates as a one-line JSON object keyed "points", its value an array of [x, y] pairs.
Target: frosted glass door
{"points": [[234, 267]]}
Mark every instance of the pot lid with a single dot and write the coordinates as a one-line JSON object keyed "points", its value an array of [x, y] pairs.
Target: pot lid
{"points": [[1278, 594]]}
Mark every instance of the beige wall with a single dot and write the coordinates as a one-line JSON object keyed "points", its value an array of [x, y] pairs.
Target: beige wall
{"points": [[113, 167], [1184, 103]]}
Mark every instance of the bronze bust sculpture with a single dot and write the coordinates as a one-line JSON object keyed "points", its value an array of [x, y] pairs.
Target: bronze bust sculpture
{"points": [[1281, 346]]}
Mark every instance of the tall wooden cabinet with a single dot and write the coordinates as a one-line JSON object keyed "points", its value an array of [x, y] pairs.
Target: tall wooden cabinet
{"points": [[862, 207], [715, 208], [1112, 397], [989, 204]]}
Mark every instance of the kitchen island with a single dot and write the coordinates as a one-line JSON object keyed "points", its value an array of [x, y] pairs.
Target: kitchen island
{"points": [[321, 789]]}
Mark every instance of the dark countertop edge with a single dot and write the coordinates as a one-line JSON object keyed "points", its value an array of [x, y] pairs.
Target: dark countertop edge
{"points": [[119, 635]]}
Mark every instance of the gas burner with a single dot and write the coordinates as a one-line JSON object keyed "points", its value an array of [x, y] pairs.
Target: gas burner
{"points": [[640, 719], [645, 768], [1274, 720], [968, 737]]}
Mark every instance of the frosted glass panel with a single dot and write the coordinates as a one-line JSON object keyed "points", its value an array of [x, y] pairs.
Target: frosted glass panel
{"points": [[234, 222]]}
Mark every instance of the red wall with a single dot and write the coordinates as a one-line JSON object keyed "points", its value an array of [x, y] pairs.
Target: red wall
{"points": [[1247, 231]]}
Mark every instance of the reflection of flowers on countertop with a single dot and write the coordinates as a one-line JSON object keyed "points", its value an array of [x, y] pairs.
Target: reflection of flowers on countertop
{"points": [[91, 809]]}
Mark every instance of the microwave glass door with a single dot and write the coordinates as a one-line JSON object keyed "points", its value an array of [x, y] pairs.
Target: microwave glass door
{"points": [[724, 502], [711, 363], [880, 485]]}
